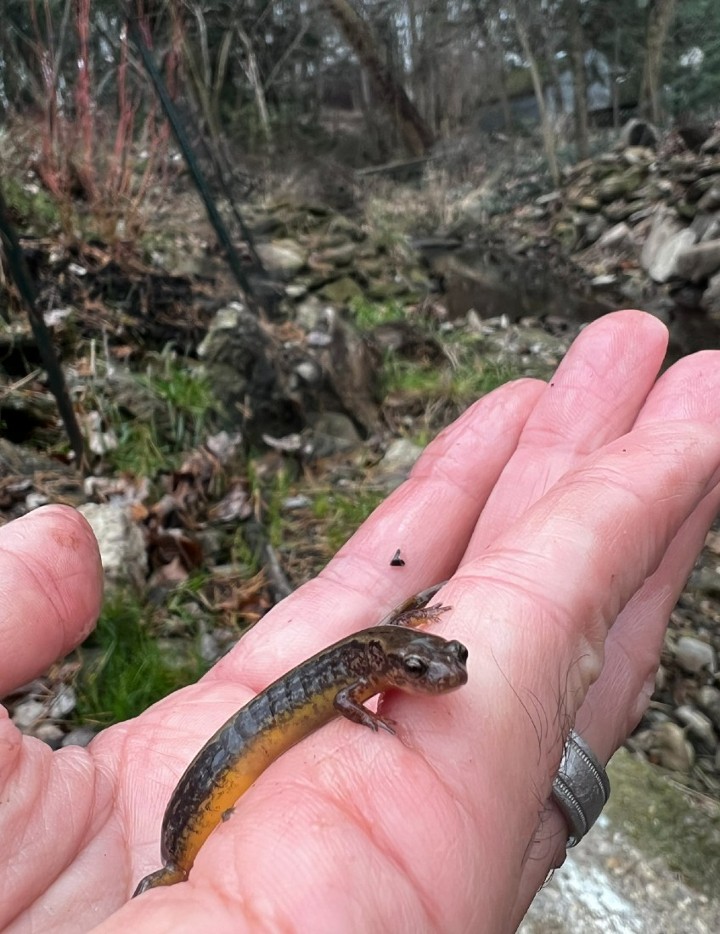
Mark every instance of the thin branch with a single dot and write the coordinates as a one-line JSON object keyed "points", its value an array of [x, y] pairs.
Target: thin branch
{"points": [[43, 338]]}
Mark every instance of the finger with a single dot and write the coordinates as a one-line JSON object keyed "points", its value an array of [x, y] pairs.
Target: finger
{"points": [[617, 700], [549, 591], [688, 390], [593, 397], [51, 809], [51, 591], [430, 517]]}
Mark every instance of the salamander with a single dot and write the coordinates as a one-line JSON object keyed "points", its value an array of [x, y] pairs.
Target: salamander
{"points": [[335, 682]]}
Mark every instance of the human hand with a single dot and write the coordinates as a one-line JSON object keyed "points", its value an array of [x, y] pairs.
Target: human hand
{"points": [[568, 517]]}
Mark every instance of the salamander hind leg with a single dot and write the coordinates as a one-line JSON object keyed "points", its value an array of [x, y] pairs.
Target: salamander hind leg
{"points": [[168, 875], [419, 616]]}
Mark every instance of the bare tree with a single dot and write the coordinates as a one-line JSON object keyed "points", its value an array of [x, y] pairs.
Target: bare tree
{"points": [[576, 47], [413, 130], [523, 25], [660, 14], [252, 72]]}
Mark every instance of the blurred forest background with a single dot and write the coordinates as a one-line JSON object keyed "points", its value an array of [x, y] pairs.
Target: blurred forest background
{"points": [[255, 255], [362, 81]]}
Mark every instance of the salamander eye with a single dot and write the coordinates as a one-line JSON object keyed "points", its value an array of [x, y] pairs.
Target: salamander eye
{"points": [[415, 666]]}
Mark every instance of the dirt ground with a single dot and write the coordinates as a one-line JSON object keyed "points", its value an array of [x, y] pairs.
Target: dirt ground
{"points": [[618, 881]]}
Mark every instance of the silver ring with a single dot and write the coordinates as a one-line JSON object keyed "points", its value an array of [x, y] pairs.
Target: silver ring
{"points": [[580, 788]]}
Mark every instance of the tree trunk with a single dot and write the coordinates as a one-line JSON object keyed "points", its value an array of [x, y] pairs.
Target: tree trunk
{"points": [[659, 16], [414, 48], [547, 130], [487, 26], [548, 30], [413, 130], [615, 84], [252, 73], [576, 43]]}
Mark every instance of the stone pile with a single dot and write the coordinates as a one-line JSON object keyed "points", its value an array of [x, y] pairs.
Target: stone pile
{"points": [[638, 213]]}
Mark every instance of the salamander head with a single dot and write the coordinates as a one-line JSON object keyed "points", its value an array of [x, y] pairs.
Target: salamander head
{"points": [[426, 663]]}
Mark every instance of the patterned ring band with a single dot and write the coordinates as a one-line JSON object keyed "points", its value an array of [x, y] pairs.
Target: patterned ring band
{"points": [[580, 788]]}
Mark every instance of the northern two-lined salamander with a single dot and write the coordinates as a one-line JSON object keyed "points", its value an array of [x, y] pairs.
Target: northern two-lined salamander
{"points": [[335, 682]]}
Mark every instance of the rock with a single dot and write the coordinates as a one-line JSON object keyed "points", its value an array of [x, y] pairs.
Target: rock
{"points": [[587, 203], [240, 355], [694, 135], [285, 258], [638, 133], [408, 340], [694, 655], [688, 297], [670, 749], [208, 648], [341, 291], [300, 501], [708, 698], [638, 155], [330, 433], [121, 543], [617, 238], [398, 461], [711, 298], [349, 366], [28, 712], [686, 210], [313, 314], [697, 189], [620, 185], [81, 736], [710, 201], [49, 733], [641, 214], [699, 261], [341, 255], [711, 146], [63, 703], [384, 290], [603, 281], [697, 724], [706, 227], [620, 210], [592, 227], [35, 500], [667, 240], [99, 441]]}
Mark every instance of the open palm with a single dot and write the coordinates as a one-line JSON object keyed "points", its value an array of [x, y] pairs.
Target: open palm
{"points": [[566, 515]]}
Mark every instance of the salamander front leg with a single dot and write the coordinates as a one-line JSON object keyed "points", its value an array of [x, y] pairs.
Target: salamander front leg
{"points": [[347, 703]]}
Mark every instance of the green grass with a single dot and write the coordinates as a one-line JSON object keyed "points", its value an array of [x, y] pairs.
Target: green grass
{"points": [[181, 404], [463, 378], [36, 210], [665, 821], [138, 452], [124, 670], [459, 384], [274, 513], [186, 392], [367, 315], [243, 548]]}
